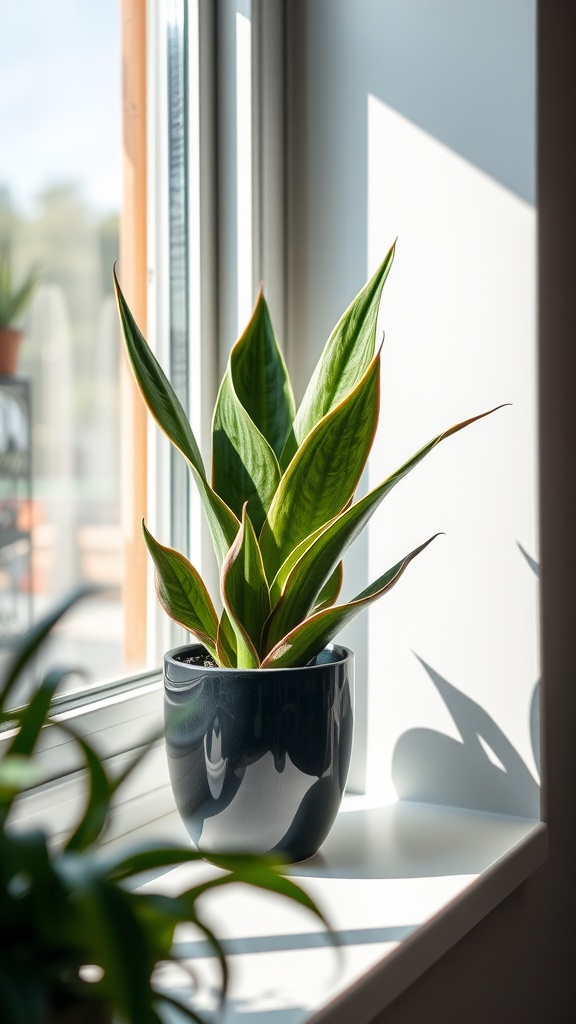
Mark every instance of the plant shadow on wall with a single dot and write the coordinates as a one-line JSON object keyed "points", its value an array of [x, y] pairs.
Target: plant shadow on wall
{"points": [[482, 770], [441, 783]]}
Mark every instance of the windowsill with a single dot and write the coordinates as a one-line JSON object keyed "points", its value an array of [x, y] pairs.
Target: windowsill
{"points": [[400, 885]]}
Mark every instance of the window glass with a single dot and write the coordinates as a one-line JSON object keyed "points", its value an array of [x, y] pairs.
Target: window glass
{"points": [[60, 206]]}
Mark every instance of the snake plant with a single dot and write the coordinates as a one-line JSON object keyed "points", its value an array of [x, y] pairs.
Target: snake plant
{"points": [[80, 942], [280, 499]]}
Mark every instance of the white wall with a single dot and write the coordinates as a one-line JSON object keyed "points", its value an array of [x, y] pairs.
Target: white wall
{"points": [[459, 315], [416, 119]]}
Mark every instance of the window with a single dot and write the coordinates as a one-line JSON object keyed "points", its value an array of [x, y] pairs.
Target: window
{"points": [[64, 515], [111, 696]]}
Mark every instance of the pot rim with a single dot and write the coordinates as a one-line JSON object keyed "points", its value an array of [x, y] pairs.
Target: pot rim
{"points": [[345, 655]]}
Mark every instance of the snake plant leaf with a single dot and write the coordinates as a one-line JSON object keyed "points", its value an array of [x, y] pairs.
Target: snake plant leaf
{"points": [[331, 589], [306, 574], [261, 379], [155, 387], [226, 647], [165, 407], [344, 360], [244, 467], [182, 593], [324, 473], [310, 637], [277, 585], [245, 593]]}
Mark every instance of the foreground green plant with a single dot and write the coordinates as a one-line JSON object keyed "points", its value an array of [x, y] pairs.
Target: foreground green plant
{"points": [[280, 501], [78, 943]]}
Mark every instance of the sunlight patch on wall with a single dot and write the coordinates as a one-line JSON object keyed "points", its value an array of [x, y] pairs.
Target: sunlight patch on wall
{"points": [[459, 316]]}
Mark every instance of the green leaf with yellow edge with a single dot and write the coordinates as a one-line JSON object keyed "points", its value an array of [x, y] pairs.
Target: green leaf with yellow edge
{"points": [[261, 379], [344, 360], [245, 593], [165, 407], [277, 585], [182, 593], [324, 473], [244, 467], [226, 642], [307, 573], [331, 589], [310, 637], [155, 387]]}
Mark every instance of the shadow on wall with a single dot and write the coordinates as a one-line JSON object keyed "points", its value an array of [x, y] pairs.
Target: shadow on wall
{"points": [[482, 771]]}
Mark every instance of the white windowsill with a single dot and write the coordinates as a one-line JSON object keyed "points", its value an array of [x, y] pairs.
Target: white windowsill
{"points": [[400, 885]]}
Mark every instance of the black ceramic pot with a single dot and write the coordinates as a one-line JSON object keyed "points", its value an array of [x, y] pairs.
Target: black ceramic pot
{"points": [[258, 758]]}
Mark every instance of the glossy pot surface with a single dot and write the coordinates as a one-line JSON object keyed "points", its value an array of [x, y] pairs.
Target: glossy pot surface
{"points": [[258, 758]]}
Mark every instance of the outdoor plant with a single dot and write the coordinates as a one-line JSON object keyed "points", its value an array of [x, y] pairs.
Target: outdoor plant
{"points": [[280, 500], [14, 297], [79, 945]]}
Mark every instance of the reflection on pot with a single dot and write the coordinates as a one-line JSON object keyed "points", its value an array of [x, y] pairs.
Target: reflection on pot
{"points": [[215, 763], [259, 758]]}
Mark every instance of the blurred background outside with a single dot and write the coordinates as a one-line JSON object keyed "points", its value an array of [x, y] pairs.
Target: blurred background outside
{"points": [[60, 198]]}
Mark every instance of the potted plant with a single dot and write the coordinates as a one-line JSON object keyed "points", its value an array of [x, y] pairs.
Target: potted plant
{"points": [[79, 944], [261, 759], [13, 302]]}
